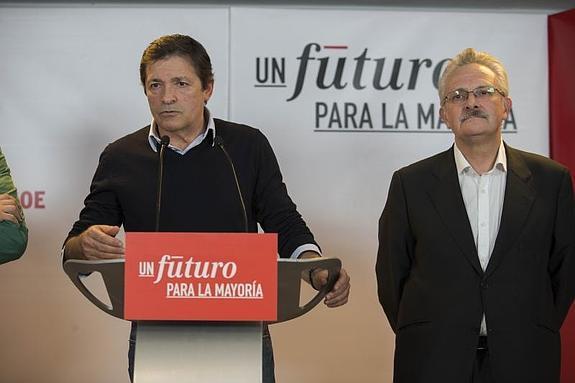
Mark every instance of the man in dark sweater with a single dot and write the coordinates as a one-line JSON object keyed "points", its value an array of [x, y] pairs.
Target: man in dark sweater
{"points": [[199, 189]]}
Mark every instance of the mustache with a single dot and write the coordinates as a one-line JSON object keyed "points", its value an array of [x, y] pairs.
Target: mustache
{"points": [[473, 113]]}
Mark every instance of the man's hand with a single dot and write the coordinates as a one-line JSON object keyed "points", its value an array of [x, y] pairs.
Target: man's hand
{"points": [[96, 242], [339, 294], [9, 209]]}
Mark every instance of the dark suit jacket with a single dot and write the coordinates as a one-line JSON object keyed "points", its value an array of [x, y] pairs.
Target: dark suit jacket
{"points": [[434, 292]]}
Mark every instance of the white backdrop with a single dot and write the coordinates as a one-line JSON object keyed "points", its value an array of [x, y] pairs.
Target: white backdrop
{"points": [[70, 86]]}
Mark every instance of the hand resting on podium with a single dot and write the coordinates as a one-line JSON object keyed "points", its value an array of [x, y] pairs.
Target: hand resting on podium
{"points": [[96, 242], [317, 278]]}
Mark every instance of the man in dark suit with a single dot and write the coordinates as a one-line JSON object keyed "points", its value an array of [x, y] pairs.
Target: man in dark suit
{"points": [[476, 259]]}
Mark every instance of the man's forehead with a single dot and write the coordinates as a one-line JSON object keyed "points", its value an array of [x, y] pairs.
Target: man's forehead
{"points": [[172, 66], [470, 73]]}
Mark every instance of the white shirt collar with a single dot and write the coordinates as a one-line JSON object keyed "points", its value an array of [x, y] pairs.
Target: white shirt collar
{"points": [[463, 165], [154, 140]]}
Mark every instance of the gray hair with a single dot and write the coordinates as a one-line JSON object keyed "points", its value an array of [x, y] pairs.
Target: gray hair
{"points": [[471, 56]]}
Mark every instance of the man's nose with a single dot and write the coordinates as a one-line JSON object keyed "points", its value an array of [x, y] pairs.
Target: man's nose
{"points": [[471, 101], [169, 95]]}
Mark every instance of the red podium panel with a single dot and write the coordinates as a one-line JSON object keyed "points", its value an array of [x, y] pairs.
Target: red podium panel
{"points": [[201, 276]]}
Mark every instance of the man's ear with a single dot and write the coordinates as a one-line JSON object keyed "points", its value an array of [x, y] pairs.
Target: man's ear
{"points": [[443, 116], [208, 90], [508, 104]]}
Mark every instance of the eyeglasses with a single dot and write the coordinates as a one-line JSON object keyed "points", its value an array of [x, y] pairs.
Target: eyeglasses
{"points": [[459, 96]]}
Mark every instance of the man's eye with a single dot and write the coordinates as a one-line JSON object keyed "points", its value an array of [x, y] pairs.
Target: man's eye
{"points": [[457, 96], [182, 83], [154, 85], [483, 92]]}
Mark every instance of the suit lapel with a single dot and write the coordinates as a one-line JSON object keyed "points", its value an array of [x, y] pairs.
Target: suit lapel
{"points": [[519, 196], [448, 201]]}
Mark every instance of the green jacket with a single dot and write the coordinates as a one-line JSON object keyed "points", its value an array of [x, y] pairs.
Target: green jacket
{"points": [[13, 238]]}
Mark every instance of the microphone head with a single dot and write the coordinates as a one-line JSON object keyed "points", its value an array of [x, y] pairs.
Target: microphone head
{"points": [[165, 141]]}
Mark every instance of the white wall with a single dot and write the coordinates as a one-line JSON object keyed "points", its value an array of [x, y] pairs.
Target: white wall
{"points": [[70, 85]]}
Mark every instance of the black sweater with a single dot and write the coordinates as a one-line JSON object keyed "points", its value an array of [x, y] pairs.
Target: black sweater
{"points": [[199, 192]]}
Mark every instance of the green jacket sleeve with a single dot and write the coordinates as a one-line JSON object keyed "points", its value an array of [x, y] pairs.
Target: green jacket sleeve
{"points": [[13, 237]]}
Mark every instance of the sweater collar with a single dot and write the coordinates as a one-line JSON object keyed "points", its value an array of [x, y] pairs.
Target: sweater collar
{"points": [[154, 138]]}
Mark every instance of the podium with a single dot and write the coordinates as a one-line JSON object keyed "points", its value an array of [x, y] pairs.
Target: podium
{"points": [[202, 351]]}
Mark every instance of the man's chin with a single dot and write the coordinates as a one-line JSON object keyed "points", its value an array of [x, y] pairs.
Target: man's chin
{"points": [[475, 123], [168, 120]]}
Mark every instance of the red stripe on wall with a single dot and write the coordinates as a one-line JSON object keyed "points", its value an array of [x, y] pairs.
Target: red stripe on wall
{"points": [[561, 35]]}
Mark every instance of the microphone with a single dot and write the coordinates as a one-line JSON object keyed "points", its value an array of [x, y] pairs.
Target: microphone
{"points": [[164, 142], [220, 142]]}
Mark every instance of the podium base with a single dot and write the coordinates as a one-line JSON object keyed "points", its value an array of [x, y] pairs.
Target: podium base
{"points": [[186, 352]]}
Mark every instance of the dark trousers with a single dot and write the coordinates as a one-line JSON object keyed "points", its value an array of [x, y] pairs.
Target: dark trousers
{"points": [[268, 375], [481, 368]]}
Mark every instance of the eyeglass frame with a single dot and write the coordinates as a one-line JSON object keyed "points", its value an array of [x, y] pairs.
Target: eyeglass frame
{"points": [[467, 92]]}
